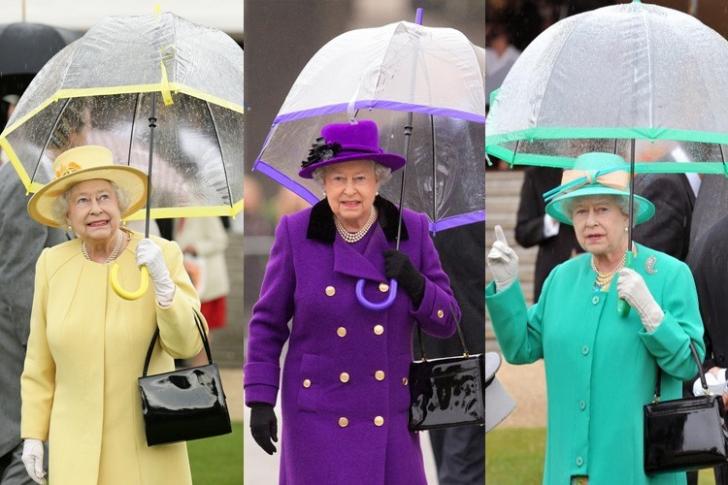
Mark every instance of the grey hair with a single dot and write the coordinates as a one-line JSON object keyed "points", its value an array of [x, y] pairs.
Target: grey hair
{"points": [[59, 209], [621, 201], [381, 173]]}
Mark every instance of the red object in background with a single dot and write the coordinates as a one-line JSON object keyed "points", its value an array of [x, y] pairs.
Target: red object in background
{"points": [[215, 312]]}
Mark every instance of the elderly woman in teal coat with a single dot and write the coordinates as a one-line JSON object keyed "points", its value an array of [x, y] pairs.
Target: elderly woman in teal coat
{"points": [[600, 364]]}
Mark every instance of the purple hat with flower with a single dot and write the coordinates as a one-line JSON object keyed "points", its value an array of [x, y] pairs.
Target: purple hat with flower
{"points": [[344, 142]]}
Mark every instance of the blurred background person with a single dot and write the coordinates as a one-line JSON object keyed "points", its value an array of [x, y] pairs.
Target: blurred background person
{"points": [[205, 240]]}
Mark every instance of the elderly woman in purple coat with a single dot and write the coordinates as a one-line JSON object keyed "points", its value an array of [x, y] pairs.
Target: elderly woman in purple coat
{"points": [[344, 390]]}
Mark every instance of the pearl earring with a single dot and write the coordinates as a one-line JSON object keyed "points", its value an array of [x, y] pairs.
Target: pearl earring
{"points": [[626, 229]]}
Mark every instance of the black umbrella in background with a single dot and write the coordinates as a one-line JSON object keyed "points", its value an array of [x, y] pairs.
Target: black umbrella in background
{"points": [[25, 47]]}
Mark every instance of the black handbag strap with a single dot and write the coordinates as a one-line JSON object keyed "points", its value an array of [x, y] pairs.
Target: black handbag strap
{"points": [[703, 382], [200, 328], [460, 336]]}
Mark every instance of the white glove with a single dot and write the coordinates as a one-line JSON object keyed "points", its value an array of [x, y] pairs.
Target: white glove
{"points": [[633, 289], [149, 254], [550, 226], [716, 384], [33, 460], [502, 261]]}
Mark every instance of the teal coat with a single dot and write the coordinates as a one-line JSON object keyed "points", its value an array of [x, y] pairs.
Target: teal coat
{"points": [[600, 367]]}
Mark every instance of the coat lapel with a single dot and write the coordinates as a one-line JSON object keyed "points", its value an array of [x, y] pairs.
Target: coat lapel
{"points": [[369, 264]]}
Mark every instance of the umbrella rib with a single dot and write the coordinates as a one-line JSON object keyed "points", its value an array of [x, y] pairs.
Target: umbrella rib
{"points": [[434, 170], [133, 126], [222, 156], [48, 140]]}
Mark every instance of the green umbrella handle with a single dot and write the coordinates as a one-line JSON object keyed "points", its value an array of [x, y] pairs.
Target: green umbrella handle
{"points": [[126, 294], [622, 305]]}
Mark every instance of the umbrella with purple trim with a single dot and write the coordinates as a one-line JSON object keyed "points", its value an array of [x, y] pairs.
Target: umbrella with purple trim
{"points": [[399, 75]]}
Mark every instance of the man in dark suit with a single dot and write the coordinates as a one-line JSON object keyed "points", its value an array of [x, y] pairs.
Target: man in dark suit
{"points": [[674, 198], [21, 241], [459, 451], [556, 242]]}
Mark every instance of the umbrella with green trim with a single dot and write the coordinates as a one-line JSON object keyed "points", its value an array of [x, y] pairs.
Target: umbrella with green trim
{"points": [[639, 80]]}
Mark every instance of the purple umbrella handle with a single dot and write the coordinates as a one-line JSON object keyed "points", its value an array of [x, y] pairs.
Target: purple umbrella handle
{"points": [[376, 306]]}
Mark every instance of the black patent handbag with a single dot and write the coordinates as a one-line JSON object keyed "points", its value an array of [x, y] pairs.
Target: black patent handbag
{"points": [[684, 434], [184, 404], [446, 392]]}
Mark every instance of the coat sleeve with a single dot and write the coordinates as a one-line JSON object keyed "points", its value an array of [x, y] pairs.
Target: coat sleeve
{"points": [[37, 383], [529, 221], [438, 312], [670, 342], [178, 332], [215, 239], [268, 327], [519, 330]]}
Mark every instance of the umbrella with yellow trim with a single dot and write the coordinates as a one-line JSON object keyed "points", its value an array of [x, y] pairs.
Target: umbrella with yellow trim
{"points": [[158, 91]]}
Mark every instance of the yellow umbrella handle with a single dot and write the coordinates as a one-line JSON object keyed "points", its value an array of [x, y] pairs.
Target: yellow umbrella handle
{"points": [[125, 294]]}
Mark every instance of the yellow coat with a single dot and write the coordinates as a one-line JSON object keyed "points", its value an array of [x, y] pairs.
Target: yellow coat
{"points": [[85, 352]]}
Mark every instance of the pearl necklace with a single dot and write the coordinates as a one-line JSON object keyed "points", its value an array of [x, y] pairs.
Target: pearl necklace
{"points": [[114, 253], [604, 279], [352, 237]]}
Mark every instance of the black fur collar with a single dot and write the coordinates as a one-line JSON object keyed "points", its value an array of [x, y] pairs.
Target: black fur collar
{"points": [[321, 224]]}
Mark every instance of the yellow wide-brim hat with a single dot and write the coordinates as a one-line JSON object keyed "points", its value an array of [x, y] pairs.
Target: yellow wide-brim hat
{"points": [[79, 164]]}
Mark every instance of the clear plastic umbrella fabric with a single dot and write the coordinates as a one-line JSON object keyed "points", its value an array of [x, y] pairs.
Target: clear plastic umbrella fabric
{"points": [[599, 80], [99, 90], [383, 74]]}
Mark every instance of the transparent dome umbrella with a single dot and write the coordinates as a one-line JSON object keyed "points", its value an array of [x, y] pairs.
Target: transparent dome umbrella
{"points": [[430, 80], [645, 82], [165, 95]]}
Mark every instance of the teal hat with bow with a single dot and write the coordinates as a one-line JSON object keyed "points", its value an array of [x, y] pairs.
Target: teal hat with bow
{"points": [[595, 174]]}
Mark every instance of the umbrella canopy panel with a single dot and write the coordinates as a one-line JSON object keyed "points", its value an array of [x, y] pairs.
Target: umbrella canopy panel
{"points": [[445, 177], [197, 153], [594, 81]]}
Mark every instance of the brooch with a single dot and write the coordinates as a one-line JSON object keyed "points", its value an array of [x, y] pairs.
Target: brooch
{"points": [[650, 265]]}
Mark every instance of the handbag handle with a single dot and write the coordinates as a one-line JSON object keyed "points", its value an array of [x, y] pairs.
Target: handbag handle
{"points": [[703, 382], [200, 328], [461, 337]]}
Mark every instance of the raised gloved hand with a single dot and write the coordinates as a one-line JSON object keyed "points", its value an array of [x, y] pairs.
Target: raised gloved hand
{"points": [[33, 460], [397, 265], [502, 261], [150, 255], [264, 426], [633, 289]]}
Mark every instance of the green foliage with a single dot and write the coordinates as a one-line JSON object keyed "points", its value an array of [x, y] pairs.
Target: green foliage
{"points": [[218, 460]]}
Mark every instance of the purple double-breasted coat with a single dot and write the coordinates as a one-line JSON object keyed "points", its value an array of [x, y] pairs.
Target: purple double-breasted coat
{"points": [[344, 388]]}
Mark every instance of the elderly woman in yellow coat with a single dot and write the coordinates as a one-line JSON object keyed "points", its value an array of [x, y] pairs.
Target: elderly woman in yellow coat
{"points": [[87, 345]]}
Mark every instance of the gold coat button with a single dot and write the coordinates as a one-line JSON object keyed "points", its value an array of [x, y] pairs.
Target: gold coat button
{"points": [[379, 375], [440, 314], [343, 422], [330, 291], [307, 383], [344, 377], [383, 287], [404, 381], [378, 329], [341, 332], [378, 421]]}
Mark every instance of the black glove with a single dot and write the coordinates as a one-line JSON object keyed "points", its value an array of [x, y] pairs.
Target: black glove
{"points": [[397, 265], [264, 426]]}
